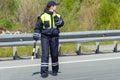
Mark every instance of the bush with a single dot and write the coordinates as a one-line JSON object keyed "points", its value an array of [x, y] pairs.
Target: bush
{"points": [[7, 24], [116, 2], [69, 9], [28, 11], [106, 10], [77, 14], [115, 21], [7, 13], [8, 7]]}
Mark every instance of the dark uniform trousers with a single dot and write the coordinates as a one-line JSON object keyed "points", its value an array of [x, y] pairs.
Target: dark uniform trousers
{"points": [[49, 42]]}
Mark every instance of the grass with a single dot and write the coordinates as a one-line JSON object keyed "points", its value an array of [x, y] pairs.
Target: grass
{"points": [[5, 52], [67, 48], [22, 51], [27, 51]]}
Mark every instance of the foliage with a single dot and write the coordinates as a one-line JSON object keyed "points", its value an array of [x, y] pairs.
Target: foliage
{"points": [[77, 14], [115, 21], [7, 23], [8, 7], [106, 10], [70, 13], [116, 2], [7, 13], [28, 11]]}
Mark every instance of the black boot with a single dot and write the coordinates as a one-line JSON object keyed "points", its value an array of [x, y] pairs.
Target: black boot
{"points": [[44, 75], [55, 73]]}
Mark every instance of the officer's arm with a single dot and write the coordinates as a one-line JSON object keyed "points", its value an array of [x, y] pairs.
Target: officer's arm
{"points": [[58, 21], [37, 29]]}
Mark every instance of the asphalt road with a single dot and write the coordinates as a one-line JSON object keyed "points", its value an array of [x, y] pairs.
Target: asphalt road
{"points": [[87, 67]]}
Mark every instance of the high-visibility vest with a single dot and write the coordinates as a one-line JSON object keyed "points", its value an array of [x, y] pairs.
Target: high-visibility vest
{"points": [[48, 21]]}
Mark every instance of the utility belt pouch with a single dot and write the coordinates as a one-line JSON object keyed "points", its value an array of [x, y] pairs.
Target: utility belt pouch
{"points": [[46, 24]]}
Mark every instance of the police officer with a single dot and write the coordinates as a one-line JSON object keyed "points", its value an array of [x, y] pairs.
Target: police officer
{"points": [[48, 25]]}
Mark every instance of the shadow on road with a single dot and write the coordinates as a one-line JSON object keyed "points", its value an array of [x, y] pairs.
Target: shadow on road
{"points": [[38, 73]]}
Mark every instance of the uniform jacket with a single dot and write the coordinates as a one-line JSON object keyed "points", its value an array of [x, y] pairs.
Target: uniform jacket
{"points": [[47, 24]]}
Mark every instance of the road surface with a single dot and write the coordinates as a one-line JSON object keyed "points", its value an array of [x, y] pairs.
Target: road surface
{"points": [[85, 67]]}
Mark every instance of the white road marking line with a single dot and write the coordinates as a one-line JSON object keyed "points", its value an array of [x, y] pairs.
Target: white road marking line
{"points": [[91, 60], [67, 62], [22, 66]]}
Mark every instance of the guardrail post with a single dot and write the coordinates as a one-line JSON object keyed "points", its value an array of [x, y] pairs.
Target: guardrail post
{"points": [[15, 56], [37, 52], [97, 47], [78, 49], [59, 50], [115, 46]]}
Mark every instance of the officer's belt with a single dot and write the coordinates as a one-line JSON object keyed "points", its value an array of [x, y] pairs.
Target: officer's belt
{"points": [[51, 27]]}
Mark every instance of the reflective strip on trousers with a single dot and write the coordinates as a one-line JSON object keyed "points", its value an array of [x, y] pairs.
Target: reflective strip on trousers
{"points": [[55, 64], [44, 64]]}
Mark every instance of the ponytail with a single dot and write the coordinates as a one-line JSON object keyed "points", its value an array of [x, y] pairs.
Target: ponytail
{"points": [[47, 8]]}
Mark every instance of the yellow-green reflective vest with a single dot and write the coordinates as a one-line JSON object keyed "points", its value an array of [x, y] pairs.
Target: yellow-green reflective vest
{"points": [[49, 19]]}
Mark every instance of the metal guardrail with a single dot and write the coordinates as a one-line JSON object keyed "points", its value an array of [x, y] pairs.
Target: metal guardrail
{"points": [[14, 40]]}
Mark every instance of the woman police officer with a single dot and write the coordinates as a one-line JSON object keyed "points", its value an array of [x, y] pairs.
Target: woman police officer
{"points": [[48, 25]]}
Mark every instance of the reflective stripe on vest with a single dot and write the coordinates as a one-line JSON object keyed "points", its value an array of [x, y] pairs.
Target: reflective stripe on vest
{"points": [[48, 17]]}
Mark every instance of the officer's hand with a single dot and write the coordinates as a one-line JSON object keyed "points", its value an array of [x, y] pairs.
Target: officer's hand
{"points": [[35, 41], [56, 18], [36, 36], [58, 21], [54, 13]]}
